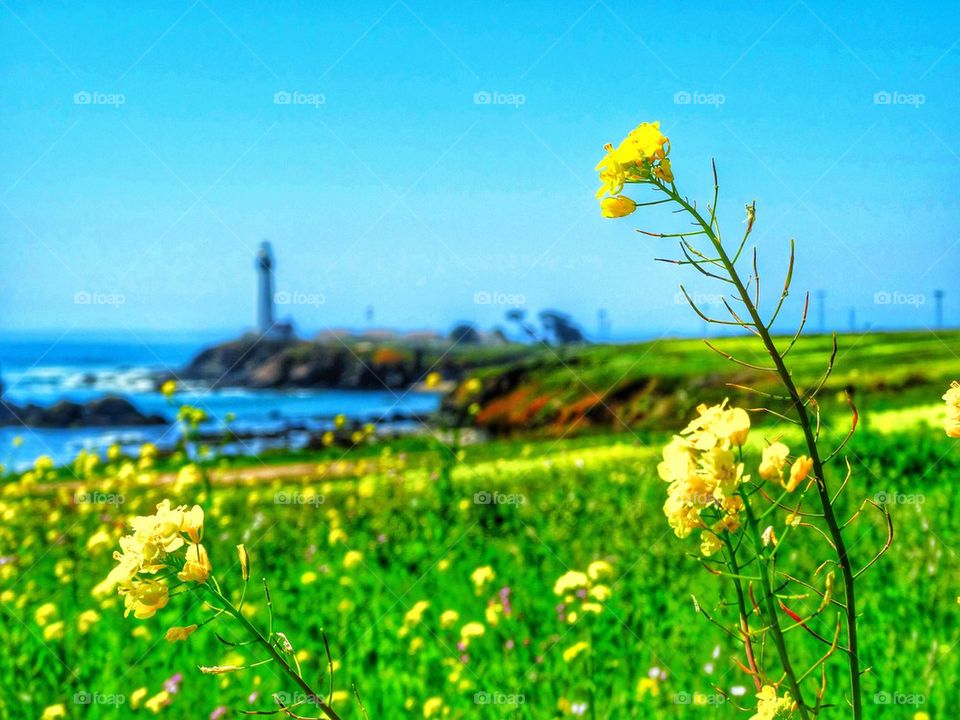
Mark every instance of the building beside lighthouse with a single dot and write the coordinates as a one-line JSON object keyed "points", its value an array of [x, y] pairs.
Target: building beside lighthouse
{"points": [[268, 326]]}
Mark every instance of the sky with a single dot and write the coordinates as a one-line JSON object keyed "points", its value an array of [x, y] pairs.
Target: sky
{"points": [[435, 160]]}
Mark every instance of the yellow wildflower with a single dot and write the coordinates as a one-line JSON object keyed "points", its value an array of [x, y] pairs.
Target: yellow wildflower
{"points": [[600, 593], [144, 597], [87, 619], [179, 633], [168, 388], [137, 696], [570, 581], [636, 158], [414, 615], [470, 631], [432, 707], [799, 471], [449, 618], [598, 569], [664, 171], [54, 631], [710, 544], [352, 559], [54, 712], [647, 686], [774, 458], [770, 707], [158, 702], [952, 423], [574, 650], [44, 613], [481, 576], [197, 567]]}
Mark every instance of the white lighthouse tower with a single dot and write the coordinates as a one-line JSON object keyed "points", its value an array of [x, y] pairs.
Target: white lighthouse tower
{"points": [[264, 265], [267, 325]]}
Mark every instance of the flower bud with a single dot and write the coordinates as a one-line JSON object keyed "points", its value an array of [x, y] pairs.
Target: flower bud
{"points": [[617, 207]]}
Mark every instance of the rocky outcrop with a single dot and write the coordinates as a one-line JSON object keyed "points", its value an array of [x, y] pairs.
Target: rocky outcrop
{"points": [[108, 411], [264, 363]]}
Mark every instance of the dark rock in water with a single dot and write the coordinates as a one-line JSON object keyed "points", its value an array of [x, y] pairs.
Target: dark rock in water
{"points": [[62, 413], [108, 411], [233, 363]]}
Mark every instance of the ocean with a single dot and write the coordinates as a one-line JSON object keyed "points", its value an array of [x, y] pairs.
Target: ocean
{"points": [[45, 369]]}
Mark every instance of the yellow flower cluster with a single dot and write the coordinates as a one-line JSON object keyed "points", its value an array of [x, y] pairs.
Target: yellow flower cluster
{"points": [[641, 157], [582, 592], [770, 707], [704, 474], [952, 397], [154, 547]]}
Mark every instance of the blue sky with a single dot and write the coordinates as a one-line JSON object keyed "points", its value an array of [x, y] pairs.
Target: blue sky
{"points": [[385, 183]]}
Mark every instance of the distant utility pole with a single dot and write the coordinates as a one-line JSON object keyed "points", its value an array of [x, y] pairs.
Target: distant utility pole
{"points": [[369, 314], [822, 310], [603, 324], [853, 319], [938, 300]]}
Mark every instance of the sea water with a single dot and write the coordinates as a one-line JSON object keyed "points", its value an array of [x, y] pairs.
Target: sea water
{"points": [[43, 369]]}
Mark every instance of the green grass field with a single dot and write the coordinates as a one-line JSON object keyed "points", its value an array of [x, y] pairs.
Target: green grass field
{"points": [[360, 553]]}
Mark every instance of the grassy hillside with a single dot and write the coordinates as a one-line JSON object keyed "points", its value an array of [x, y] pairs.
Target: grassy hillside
{"points": [[655, 384]]}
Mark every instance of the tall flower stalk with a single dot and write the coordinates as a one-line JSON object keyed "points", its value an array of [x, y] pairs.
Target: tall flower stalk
{"points": [[642, 159]]}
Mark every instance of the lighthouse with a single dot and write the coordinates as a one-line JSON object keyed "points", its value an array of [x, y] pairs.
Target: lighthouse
{"points": [[268, 327], [264, 266]]}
